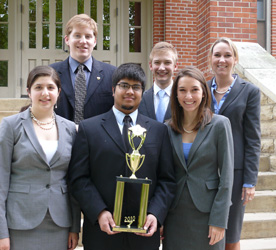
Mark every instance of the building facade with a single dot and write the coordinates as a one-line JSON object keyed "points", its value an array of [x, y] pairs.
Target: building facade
{"points": [[32, 31]]}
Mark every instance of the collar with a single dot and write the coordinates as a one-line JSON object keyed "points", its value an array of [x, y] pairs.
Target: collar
{"points": [[120, 116], [168, 90], [214, 84], [74, 64]]}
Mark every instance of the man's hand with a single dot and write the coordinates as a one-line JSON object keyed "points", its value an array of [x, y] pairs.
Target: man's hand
{"points": [[150, 225], [106, 221]]}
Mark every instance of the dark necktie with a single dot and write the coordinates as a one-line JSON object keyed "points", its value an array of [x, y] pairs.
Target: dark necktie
{"points": [[80, 94], [127, 120]]}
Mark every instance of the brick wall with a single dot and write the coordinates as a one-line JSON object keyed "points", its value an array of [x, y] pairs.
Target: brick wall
{"points": [[273, 28], [192, 26]]}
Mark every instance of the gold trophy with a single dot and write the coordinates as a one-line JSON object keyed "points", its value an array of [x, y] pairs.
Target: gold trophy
{"points": [[134, 162]]}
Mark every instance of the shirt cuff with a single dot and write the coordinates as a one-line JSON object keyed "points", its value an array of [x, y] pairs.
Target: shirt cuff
{"points": [[245, 185]]}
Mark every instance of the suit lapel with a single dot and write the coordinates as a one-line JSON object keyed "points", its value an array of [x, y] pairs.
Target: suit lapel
{"points": [[110, 125], [235, 91], [201, 134], [29, 128], [96, 77], [65, 78], [149, 100], [176, 140], [61, 138], [168, 112]]}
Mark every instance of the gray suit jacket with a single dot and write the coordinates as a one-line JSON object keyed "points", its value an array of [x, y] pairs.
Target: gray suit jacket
{"points": [[29, 186], [242, 108], [209, 169], [147, 106]]}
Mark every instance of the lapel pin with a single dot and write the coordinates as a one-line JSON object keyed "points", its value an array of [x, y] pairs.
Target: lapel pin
{"points": [[98, 78]]}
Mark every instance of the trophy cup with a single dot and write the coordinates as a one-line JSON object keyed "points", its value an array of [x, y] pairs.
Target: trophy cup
{"points": [[134, 162]]}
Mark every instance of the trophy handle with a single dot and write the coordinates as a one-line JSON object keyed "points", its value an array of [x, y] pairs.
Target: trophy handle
{"points": [[143, 138], [142, 161], [127, 155]]}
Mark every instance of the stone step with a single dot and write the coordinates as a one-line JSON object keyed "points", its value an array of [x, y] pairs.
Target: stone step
{"points": [[6, 113], [264, 163], [259, 225], [264, 201], [13, 104], [259, 244], [266, 181]]}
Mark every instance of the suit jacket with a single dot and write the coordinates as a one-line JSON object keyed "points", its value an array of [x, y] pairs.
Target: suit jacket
{"points": [[99, 97], [242, 107], [209, 169], [29, 186], [147, 106], [98, 157]]}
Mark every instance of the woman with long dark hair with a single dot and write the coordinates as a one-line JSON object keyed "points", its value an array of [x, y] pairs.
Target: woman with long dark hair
{"points": [[203, 156]]}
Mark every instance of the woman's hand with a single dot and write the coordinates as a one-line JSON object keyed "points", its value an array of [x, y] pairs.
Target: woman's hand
{"points": [[72, 240], [247, 195], [216, 234], [5, 244]]}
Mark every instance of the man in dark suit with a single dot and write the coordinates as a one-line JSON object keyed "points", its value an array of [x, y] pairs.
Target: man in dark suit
{"points": [[156, 101], [81, 33], [98, 156]]}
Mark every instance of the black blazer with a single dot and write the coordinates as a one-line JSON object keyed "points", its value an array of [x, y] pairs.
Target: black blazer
{"points": [[147, 106], [98, 157], [242, 107], [99, 98]]}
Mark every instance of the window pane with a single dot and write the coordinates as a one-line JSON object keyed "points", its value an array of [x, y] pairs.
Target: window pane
{"points": [[58, 10], [45, 36], [4, 4], [134, 13], [58, 36], [134, 40], [45, 12], [3, 73], [3, 36], [93, 9], [260, 10], [32, 35], [106, 11], [80, 6], [32, 10], [106, 37]]}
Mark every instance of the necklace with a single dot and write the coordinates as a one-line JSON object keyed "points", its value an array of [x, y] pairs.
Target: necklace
{"points": [[49, 125], [188, 131], [221, 92]]}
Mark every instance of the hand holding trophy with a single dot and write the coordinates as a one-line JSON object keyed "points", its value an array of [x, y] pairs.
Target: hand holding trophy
{"points": [[134, 162]]}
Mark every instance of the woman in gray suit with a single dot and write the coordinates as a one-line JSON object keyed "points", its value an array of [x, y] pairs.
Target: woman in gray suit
{"points": [[35, 149], [203, 156], [239, 101]]}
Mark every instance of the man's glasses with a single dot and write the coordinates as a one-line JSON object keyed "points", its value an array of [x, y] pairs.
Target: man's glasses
{"points": [[125, 86]]}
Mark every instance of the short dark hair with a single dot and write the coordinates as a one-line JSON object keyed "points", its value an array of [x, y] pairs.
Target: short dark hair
{"points": [[131, 71], [204, 114]]}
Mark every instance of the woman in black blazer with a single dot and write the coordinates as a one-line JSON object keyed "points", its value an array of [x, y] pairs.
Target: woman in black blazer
{"points": [[240, 102]]}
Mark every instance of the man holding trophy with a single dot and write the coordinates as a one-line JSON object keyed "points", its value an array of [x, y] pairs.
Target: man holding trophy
{"points": [[121, 171]]}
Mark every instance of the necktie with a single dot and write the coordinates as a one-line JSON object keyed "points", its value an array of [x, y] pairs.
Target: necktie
{"points": [[80, 94], [127, 120], [161, 109]]}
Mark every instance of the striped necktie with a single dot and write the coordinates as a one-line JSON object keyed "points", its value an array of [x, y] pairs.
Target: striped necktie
{"points": [[80, 94]]}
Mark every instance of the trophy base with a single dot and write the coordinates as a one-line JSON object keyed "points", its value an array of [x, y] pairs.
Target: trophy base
{"points": [[126, 229]]}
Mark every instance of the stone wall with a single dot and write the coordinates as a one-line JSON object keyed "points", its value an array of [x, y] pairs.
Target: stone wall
{"points": [[268, 129]]}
